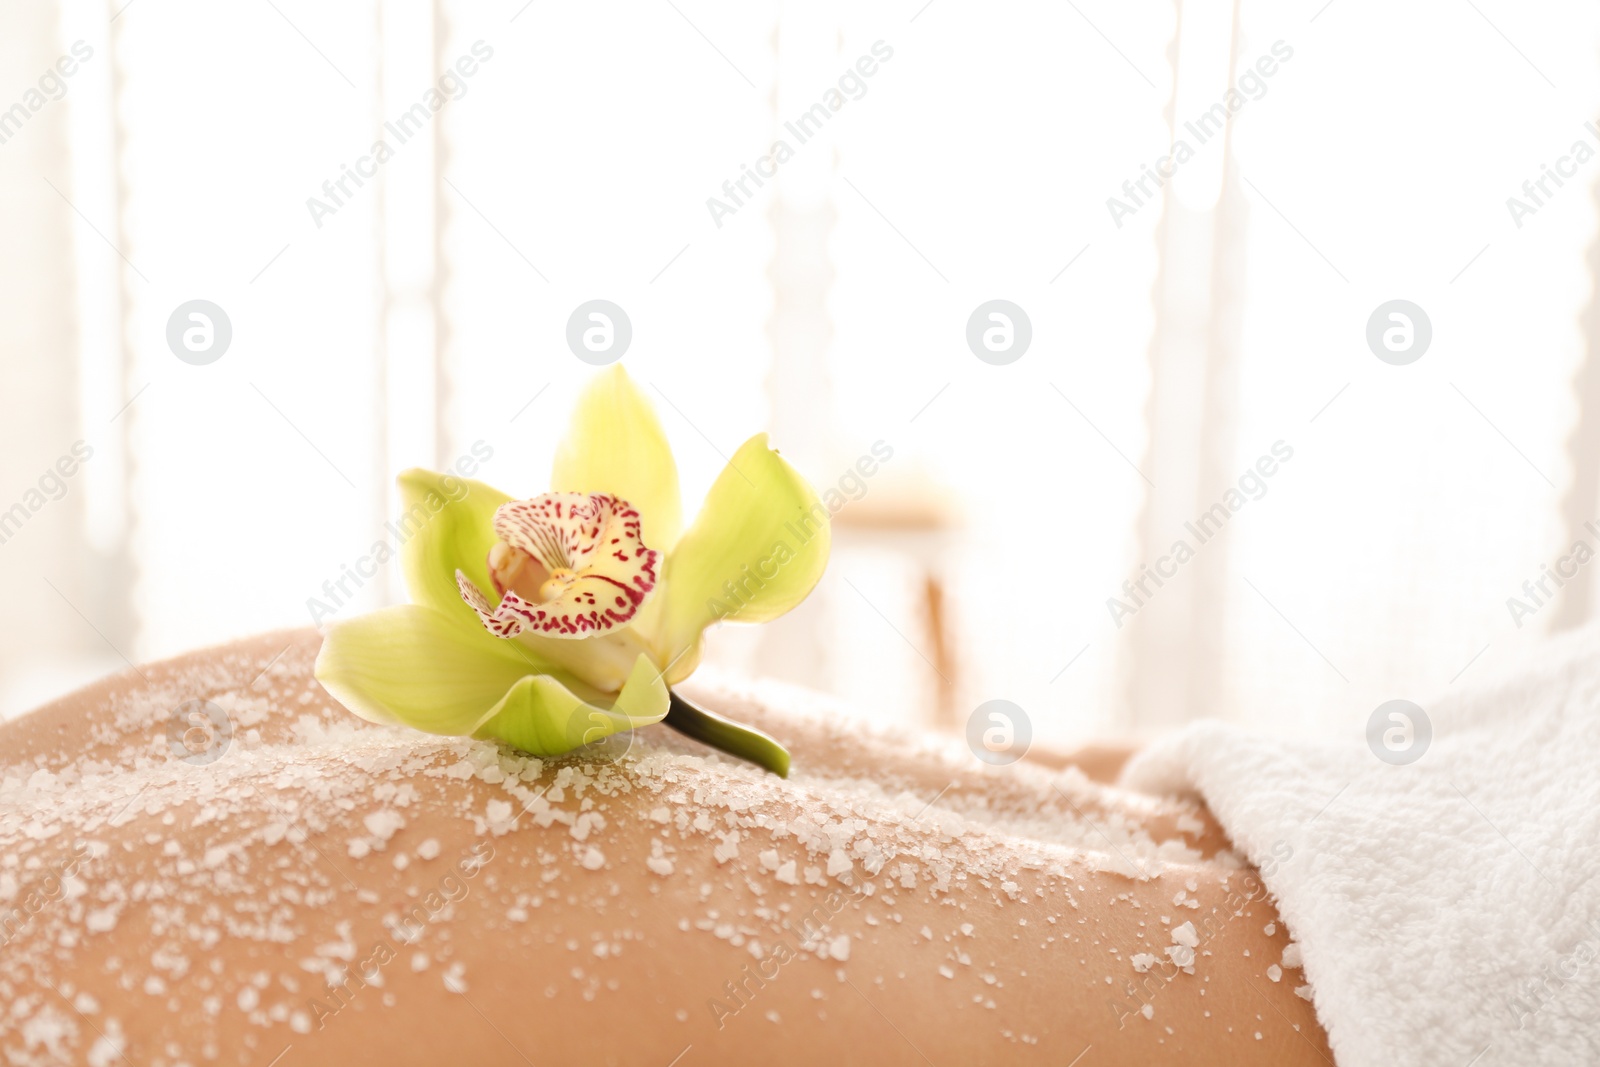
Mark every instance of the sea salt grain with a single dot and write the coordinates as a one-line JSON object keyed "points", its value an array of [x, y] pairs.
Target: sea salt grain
{"points": [[429, 849], [383, 824], [1275, 973]]}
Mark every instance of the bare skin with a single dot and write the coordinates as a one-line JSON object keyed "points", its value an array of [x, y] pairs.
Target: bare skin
{"points": [[617, 962]]}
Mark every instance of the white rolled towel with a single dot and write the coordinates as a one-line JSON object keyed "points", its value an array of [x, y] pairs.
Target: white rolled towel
{"points": [[1447, 909]]}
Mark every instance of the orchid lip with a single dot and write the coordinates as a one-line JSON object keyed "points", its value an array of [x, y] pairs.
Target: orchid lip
{"points": [[566, 565]]}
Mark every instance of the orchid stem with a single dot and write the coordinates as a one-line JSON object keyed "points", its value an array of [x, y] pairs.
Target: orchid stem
{"points": [[725, 735]]}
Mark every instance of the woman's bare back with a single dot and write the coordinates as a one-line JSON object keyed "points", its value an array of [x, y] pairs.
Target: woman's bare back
{"points": [[296, 886]]}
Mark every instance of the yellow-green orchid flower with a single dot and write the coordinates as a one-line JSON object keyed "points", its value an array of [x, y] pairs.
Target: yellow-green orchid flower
{"points": [[553, 622]]}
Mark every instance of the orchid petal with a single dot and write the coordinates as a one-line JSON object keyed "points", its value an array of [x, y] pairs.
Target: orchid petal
{"points": [[416, 666], [615, 444], [448, 525], [757, 548], [541, 715]]}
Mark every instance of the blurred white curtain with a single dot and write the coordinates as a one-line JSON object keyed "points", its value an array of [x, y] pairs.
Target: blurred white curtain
{"points": [[46, 571], [1420, 497], [967, 155]]}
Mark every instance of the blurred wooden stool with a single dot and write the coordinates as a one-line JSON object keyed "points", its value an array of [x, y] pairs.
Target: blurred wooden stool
{"points": [[915, 517]]}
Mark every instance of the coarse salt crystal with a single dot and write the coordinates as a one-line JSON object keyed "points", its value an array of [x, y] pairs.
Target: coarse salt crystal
{"points": [[383, 824], [429, 849]]}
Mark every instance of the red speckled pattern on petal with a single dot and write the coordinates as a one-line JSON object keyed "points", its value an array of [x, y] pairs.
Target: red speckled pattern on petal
{"points": [[593, 535]]}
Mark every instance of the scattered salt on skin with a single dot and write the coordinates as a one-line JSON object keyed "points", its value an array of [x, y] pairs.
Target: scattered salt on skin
{"points": [[1275, 973], [1270, 929], [1291, 955], [856, 834]]}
